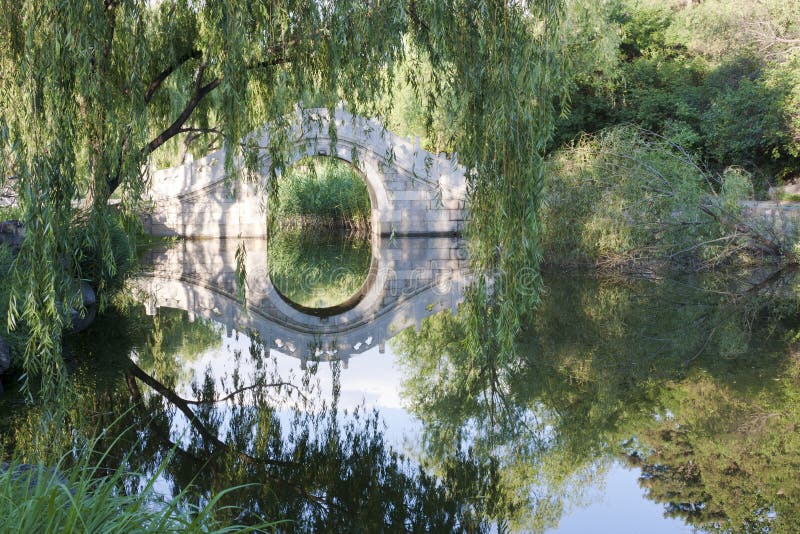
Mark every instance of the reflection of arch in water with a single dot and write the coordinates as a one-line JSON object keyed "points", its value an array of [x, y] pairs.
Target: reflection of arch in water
{"points": [[414, 278], [342, 307], [412, 191]]}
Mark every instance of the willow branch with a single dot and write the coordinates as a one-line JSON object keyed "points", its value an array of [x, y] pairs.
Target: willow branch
{"points": [[136, 396], [201, 91], [276, 51], [216, 131], [767, 243], [182, 405], [164, 74], [414, 15], [279, 57], [247, 388], [704, 243]]}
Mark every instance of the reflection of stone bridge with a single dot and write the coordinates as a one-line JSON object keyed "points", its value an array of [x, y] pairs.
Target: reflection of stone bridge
{"points": [[410, 279], [412, 191]]}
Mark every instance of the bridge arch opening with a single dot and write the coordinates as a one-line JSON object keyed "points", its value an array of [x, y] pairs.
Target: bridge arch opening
{"points": [[323, 192], [413, 192], [319, 251]]}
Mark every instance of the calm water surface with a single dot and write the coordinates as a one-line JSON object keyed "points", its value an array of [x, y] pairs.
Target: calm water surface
{"points": [[630, 406], [318, 270]]}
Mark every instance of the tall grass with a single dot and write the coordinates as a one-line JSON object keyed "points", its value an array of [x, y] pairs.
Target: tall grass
{"points": [[41, 499], [77, 493], [324, 192]]}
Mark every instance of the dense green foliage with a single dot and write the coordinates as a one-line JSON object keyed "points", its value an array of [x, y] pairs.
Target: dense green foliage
{"points": [[122, 248], [685, 378], [91, 90], [625, 197], [719, 77], [321, 192]]}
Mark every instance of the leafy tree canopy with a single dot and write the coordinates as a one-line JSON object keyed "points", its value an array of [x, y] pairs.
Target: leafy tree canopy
{"points": [[718, 77], [90, 90]]}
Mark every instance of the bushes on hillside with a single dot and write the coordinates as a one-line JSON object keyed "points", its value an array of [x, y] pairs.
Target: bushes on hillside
{"points": [[626, 196], [718, 78]]}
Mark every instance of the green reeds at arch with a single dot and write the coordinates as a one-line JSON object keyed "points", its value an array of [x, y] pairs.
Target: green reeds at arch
{"points": [[321, 192]]}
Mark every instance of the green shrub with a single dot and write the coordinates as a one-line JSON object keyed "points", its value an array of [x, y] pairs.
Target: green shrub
{"points": [[743, 123], [644, 29], [700, 75], [627, 196], [324, 191]]}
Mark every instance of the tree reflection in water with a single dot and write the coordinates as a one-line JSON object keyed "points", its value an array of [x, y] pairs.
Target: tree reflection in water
{"points": [[692, 381], [318, 468]]}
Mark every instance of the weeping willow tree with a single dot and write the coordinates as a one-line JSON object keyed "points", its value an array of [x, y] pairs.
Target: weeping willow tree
{"points": [[499, 78], [91, 91]]}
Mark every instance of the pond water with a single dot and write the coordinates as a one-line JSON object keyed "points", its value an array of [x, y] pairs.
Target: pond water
{"points": [[630, 405], [317, 270]]}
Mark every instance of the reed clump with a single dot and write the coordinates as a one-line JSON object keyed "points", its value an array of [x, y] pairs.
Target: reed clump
{"points": [[323, 193], [87, 498]]}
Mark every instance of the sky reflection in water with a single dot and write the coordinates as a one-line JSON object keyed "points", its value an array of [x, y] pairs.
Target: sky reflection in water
{"points": [[631, 405], [374, 380]]}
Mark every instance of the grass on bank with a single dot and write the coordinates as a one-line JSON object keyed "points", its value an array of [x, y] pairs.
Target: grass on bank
{"points": [[322, 192], [35, 498], [59, 474], [59, 499]]}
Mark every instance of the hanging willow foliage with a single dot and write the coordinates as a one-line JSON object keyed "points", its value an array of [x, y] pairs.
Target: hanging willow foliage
{"points": [[91, 90], [501, 69]]}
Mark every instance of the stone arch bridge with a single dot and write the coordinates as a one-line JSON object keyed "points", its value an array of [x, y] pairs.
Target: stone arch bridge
{"points": [[410, 279], [412, 191]]}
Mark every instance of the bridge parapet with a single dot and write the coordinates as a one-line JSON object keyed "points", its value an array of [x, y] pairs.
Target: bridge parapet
{"points": [[412, 191]]}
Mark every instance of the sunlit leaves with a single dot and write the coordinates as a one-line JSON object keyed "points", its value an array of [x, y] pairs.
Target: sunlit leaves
{"points": [[501, 68], [90, 90]]}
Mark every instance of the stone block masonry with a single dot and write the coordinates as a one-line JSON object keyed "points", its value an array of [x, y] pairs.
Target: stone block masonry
{"points": [[413, 192]]}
